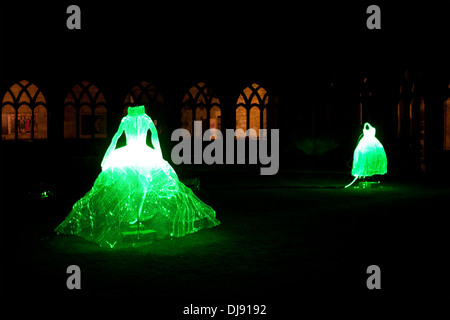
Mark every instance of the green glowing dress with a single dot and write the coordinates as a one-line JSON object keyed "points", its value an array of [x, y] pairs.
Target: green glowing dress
{"points": [[369, 157], [137, 198]]}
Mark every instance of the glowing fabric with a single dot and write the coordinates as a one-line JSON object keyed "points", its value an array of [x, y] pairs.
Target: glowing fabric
{"points": [[369, 157], [137, 198]]}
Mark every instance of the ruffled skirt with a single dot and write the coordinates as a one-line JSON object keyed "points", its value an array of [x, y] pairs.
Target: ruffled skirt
{"points": [[137, 201], [369, 158]]}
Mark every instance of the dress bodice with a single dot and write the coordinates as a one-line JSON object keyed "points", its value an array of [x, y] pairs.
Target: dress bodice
{"points": [[369, 131], [136, 127]]}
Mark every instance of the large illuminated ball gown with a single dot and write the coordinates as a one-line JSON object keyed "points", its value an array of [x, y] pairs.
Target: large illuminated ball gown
{"points": [[369, 157], [137, 198]]}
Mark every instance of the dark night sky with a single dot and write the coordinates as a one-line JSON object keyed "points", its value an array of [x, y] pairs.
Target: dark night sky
{"points": [[219, 39]]}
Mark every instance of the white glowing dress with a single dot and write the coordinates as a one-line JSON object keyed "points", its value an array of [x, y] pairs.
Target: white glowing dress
{"points": [[369, 157], [137, 198]]}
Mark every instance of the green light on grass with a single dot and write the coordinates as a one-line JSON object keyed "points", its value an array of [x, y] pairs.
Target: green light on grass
{"points": [[137, 198], [369, 157]]}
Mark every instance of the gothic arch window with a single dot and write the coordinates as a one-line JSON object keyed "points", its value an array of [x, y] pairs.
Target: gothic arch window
{"points": [[201, 104], [147, 95], [251, 110], [85, 112], [24, 113]]}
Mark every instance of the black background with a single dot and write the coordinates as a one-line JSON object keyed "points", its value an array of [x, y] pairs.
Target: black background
{"points": [[219, 39], [175, 41]]}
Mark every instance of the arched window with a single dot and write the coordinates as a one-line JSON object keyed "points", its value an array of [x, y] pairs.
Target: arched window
{"points": [[251, 110], [145, 94], [85, 112], [201, 104], [447, 124], [24, 113]]}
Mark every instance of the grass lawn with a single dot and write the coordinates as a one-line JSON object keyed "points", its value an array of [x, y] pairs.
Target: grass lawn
{"points": [[284, 241]]}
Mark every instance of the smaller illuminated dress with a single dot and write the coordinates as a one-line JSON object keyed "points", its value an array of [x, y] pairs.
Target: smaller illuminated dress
{"points": [[137, 198], [369, 157]]}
